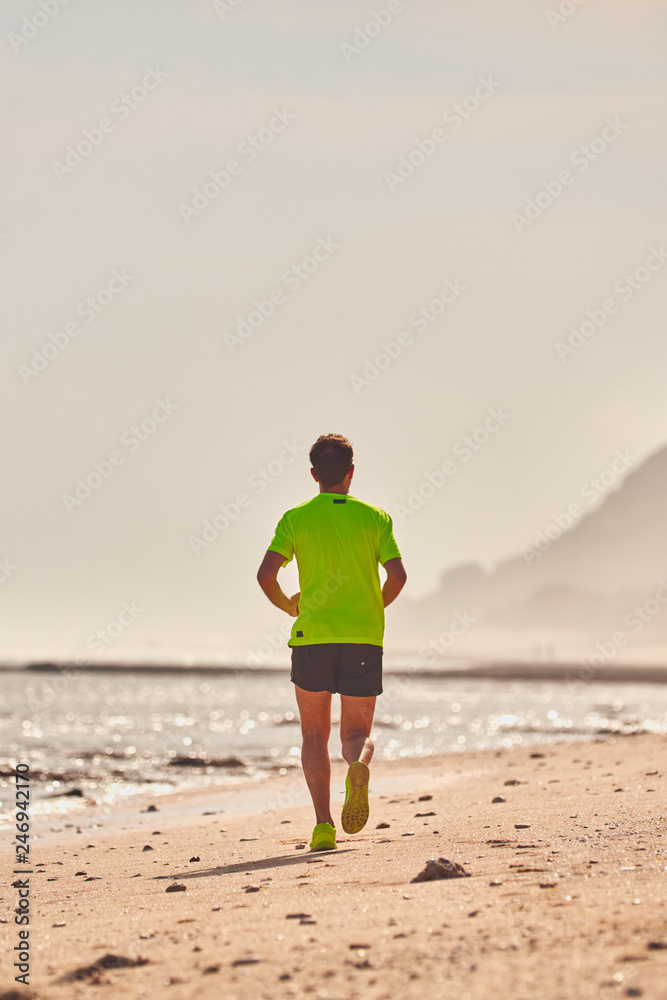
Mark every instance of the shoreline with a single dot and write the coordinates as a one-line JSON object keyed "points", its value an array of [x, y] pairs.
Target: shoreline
{"points": [[639, 673], [566, 896], [240, 790]]}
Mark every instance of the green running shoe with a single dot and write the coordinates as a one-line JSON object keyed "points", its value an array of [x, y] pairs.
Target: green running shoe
{"points": [[324, 838], [355, 810]]}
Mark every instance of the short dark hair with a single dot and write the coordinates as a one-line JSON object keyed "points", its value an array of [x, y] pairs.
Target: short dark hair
{"points": [[331, 456]]}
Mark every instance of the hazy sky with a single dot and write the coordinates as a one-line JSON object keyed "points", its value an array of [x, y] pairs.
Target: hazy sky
{"points": [[365, 150]]}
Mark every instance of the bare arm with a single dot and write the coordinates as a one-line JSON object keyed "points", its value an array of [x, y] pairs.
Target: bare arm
{"points": [[396, 577], [267, 578]]}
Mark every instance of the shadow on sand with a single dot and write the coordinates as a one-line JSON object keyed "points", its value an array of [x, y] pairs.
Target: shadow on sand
{"points": [[256, 866]]}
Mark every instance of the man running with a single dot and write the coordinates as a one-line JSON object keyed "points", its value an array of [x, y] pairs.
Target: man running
{"points": [[336, 639]]}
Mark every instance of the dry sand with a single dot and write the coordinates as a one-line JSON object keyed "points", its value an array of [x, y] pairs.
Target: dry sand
{"points": [[567, 894]]}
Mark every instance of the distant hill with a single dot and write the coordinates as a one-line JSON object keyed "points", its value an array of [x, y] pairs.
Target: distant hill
{"points": [[580, 589]]}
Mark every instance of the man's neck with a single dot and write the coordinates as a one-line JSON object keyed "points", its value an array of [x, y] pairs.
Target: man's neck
{"points": [[336, 489]]}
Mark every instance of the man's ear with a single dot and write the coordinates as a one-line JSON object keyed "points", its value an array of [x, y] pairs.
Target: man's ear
{"points": [[314, 475]]}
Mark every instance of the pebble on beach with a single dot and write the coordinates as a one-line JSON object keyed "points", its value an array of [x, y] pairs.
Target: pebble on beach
{"points": [[440, 869]]}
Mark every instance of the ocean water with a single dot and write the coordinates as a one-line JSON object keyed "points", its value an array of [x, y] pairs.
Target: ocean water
{"points": [[105, 737]]}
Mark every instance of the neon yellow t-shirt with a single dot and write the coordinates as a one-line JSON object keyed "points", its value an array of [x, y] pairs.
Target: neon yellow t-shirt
{"points": [[338, 542]]}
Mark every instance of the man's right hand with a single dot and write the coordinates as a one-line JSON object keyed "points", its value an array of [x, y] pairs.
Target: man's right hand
{"points": [[266, 577]]}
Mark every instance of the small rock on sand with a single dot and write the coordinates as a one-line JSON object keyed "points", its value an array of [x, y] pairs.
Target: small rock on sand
{"points": [[498, 798], [440, 869], [383, 826], [425, 798], [147, 847], [176, 887]]}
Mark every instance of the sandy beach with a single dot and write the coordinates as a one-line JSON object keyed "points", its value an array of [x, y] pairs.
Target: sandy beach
{"points": [[566, 896]]}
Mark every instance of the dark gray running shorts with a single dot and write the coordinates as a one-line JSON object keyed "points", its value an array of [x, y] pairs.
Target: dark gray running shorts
{"points": [[350, 668]]}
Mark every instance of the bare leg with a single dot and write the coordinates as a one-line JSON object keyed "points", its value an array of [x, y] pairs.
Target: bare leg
{"points": [[315, 712], [356, 720]]}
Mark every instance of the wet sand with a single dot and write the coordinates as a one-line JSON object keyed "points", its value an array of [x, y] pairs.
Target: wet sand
{"points": [[567, 894]]}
